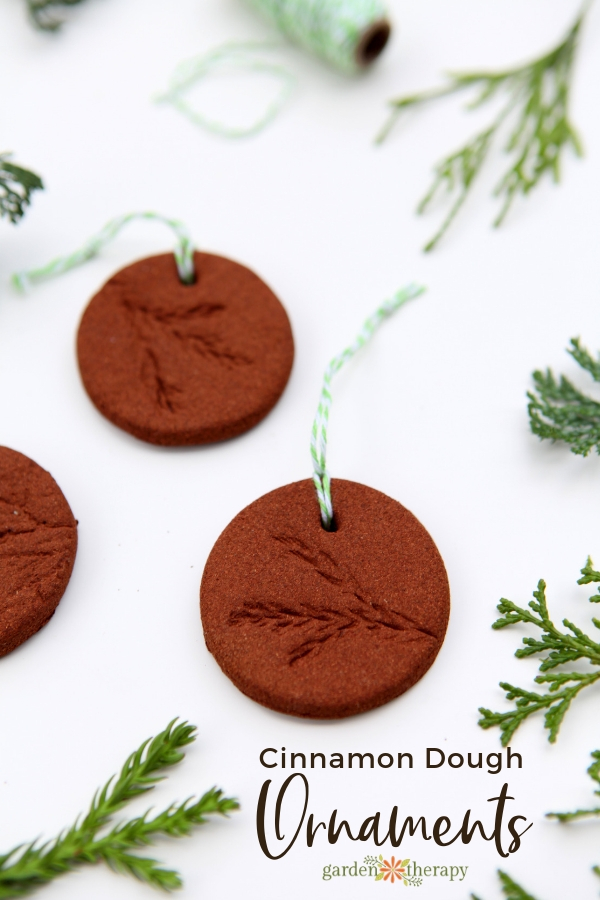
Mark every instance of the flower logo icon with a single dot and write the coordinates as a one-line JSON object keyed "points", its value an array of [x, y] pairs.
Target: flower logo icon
{"points": [[393, 870]]}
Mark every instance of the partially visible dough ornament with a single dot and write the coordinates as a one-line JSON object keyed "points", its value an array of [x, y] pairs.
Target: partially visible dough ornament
{"points": [[332, 614], [38, 542], [184, 348]]}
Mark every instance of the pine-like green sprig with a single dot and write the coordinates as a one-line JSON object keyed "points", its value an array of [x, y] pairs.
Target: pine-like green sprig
{"points": [[559, 648], [510, 889], [16, 188], [29, 866], [560, 412], [43, 13], [536, 103]]}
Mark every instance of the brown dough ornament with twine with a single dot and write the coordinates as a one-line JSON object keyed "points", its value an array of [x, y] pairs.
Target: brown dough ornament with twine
{"points": [[322, 614], [38, 543], [180, 349]]}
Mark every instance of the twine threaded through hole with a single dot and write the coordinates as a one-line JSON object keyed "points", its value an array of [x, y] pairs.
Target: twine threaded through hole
{"points": [[318, 442], [184, 251]]}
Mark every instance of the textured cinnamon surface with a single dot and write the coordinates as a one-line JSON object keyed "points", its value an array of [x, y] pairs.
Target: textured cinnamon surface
{"points": [[324, 624], [38, 542], [179, 364]]}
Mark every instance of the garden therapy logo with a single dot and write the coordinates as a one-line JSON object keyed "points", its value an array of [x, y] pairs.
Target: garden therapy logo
{"points": [[394, 870]]}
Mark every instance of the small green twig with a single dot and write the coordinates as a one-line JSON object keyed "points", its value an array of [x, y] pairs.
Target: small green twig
{"points": [[536, 101], [558, 411], [43, 13], [594, 773], [26, 867], [510, 889], [558, 648], [16, 188]]}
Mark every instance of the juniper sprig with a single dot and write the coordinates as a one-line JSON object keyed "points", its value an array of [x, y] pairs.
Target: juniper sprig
{"points": [[43, 13], [28, 866], [536, 109], [558, 648], [16, 188], [510, 889], [558, 411]]}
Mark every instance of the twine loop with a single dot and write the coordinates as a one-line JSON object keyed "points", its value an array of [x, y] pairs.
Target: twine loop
{"points": [[184, 251], [318, 442], [244, 56]]}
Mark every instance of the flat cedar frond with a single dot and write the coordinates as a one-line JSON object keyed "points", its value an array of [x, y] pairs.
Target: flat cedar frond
{"points": [[43, 13], [510, 889], [27, 867], [594, 773], [560, 412], [536, 114], [557, 648], [16, 188], [589, 575]]}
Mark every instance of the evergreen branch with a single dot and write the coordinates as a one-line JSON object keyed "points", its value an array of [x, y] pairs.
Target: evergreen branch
{"points": [[536, 102], [594, 773], [143, 868], [26, 867], [16, 188], [558, 647], [589, 575], [43, 13], [558, 411], [510, 889]]}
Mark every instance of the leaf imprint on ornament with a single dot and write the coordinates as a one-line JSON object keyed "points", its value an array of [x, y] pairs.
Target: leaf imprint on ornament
{"points": [[23, 538], [165, 335], [350, 607]]}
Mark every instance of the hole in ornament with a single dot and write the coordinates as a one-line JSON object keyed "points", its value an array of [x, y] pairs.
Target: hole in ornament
{"points": [[373, 43], [332, 527]]}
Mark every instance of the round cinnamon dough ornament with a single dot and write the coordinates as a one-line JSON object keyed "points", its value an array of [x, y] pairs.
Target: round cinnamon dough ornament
{"points": [[324, 624], [178, 364], [38, 542]]}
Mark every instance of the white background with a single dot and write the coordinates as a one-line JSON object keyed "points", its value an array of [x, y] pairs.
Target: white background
{"points": [[433, 414]]}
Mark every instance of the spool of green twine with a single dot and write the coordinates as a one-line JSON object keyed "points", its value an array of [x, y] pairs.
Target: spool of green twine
{"points": [[349, 34]]}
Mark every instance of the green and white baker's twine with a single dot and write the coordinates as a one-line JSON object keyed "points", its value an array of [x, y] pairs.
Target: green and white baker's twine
{"points": [[332, 29], [349, 34], [184, 251], [318, 443], [245, 57]]}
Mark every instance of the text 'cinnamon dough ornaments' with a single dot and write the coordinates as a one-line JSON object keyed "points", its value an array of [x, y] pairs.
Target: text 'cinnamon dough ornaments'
{"points": [[183, 348], [329, 604], [38, 542]]}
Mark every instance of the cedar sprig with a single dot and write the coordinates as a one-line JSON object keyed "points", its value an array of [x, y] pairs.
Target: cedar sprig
{"points": [[536, 109], [558, 648], [589, 575], [16, 187], [594, 773], [510, 889], [43, 13], [26, 867], [558, 411]]}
